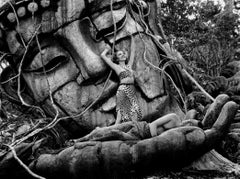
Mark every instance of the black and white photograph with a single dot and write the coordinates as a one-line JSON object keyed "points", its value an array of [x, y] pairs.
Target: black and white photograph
{"points": [[120, 89]]}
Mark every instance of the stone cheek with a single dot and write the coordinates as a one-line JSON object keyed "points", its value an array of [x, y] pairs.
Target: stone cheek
{"points": [[158, 107], [42, 84], [147, 77], [69, 98], [74, 99]]}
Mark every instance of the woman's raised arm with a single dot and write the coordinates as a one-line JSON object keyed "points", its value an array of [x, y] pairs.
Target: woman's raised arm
{"points": [[108, 60]]}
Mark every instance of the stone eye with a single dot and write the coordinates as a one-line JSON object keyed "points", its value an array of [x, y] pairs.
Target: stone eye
{"points": [[48, 60]]}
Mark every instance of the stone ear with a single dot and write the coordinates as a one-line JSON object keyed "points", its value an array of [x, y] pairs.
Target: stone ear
{"points": [[9, 85]]}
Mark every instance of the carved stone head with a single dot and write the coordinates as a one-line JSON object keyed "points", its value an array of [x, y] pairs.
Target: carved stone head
{"points": [[55, 48]]}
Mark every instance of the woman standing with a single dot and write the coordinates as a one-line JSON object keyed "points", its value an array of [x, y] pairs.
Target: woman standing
{"points": [[127, 104]]}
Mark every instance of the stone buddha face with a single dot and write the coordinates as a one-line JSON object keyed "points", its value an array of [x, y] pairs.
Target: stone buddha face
{"points": [[58, 47]]}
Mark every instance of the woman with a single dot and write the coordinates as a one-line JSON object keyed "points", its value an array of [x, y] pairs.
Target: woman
{"points": [[127, 104], [138, 130]]}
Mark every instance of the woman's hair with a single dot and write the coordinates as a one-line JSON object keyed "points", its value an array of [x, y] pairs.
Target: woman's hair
{"points": [[125, 52], [115, 59]]}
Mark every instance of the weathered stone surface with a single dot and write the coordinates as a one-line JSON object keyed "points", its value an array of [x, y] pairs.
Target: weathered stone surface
{"points": [[42, 84], [85, 69], [147, 78], [74, 99], [69, 69]]}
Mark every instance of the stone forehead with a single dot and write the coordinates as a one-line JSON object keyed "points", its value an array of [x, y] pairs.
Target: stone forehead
{"points": [[51, 16], [13, 11], [54, 14], [6, 5]]}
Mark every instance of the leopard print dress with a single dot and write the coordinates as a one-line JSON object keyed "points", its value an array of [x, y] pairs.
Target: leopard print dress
{"points": [[127, 102]]}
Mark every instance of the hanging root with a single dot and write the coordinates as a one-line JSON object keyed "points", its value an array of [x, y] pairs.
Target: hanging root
{"points": [[23, 165]]}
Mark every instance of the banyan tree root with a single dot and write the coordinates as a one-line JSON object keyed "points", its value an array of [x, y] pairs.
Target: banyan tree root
{"points": [[175, 148], [213, 161], [214, 110]]}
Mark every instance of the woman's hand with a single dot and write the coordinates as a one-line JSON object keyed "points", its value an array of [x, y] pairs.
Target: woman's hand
{"points": [[106, 53]]}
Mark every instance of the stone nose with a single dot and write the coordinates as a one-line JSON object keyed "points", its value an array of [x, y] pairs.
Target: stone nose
{"points": [[86, 54]]}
